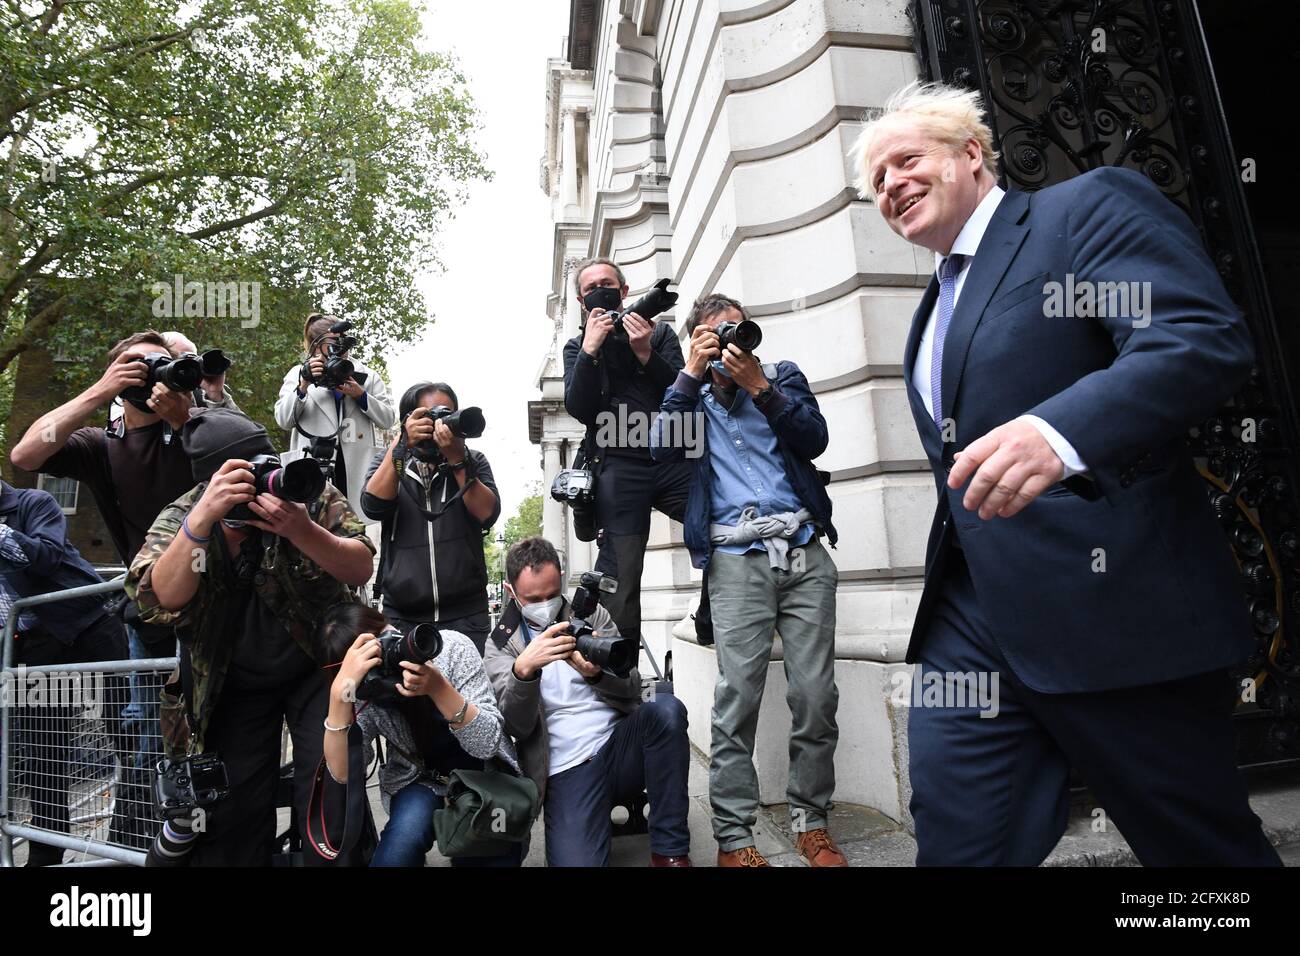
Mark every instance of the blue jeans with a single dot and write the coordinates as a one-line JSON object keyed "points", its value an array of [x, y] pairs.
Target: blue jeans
{"points": [[648, 751], [140, 716], [408, 835]]}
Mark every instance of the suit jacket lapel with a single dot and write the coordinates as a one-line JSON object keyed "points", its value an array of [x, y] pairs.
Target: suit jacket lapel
{"points": [[919, 318], [1002, 240]]}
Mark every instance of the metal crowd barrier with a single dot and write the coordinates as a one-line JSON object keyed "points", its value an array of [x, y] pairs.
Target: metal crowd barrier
{"points": [[68, 753]]}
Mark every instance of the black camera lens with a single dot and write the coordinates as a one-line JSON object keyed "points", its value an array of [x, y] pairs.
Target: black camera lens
{"points": [[423, 643], [299, 481], [747, 335], [467, 423], [614, 654], [214, 362]]}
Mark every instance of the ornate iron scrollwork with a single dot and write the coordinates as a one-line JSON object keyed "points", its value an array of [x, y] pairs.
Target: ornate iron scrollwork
{"points": [[1071, 85]]}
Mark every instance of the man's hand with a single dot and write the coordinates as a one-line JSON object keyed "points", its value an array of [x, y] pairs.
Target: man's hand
{"points": [[230, 486], [744, 369], [704, 349], [171, 407], [638, 331], [351, 388], [1013, 464], [285, 519], [419, 427], [553, 644], [452, 447], [214, 387], [583, 666], [599, 325], [121, 375]]}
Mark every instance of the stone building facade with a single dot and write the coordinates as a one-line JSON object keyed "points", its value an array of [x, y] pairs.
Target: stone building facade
{"points": [[706, 141]]}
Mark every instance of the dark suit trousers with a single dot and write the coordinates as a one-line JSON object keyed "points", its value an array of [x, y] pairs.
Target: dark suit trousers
{"points": [[625, 492], [994, 790]]}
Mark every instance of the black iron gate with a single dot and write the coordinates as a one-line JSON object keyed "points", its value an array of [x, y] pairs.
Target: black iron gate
{"points": [[1071, 85]]}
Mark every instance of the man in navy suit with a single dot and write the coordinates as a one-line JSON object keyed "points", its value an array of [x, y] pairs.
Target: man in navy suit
{"points": [[1068, 340]]}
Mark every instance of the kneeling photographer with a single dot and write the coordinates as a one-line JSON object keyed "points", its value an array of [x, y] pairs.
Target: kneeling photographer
{"points": [[428, 696], [436, 499], [244, 572], [585, 734]]}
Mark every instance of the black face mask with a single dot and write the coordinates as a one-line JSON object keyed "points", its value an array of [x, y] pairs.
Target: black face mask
{"points": [[603, 297]]}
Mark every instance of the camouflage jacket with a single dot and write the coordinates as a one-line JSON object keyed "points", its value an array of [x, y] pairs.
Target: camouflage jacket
{"points": [[294, 588]]}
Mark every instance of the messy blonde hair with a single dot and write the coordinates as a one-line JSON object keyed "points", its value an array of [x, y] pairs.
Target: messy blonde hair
{"points": [[949, 114]]}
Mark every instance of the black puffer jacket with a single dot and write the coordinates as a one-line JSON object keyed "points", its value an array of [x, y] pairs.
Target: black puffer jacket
{"points": [[431, 569]]}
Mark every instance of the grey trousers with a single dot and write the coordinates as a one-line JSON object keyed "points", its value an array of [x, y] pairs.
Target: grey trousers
{"points": [[750, 601]]}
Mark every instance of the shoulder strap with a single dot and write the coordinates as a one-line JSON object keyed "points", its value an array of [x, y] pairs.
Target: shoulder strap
{"points": [[355, 811], [109, 507]]}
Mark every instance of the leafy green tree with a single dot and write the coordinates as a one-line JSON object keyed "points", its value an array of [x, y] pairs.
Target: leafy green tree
{"points": [[308, 149], [527, 521]]}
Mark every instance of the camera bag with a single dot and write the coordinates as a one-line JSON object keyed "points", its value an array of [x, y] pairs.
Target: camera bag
{"points": [[485, 809]]}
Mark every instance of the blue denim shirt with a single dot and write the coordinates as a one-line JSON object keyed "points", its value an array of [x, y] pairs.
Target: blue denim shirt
{"points": [[801, 436], [747, 467]]}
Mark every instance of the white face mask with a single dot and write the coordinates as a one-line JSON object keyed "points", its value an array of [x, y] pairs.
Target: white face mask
{"points": [[541, 615]]}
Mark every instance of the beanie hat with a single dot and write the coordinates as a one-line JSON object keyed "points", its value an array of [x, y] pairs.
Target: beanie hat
{"points": [[213, 436]]}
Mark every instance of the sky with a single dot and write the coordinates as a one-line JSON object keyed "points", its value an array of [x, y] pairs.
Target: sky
{"points": [[492, 331]]}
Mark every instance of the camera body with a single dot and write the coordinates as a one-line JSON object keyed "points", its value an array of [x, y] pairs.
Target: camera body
{"points": [[575, 487], [181, 374], [618, 655], [422, 643], [301, 481], [192, 782], [338, 368], [464, 423]]}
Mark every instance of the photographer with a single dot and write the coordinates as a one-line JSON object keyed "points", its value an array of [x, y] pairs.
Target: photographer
{"points": [[36, 557], [345, 419], [441, 716], [213, 392], [756, 509], [585, 736], [434, 513], [134, 468], [618, 376], [246, 595]]}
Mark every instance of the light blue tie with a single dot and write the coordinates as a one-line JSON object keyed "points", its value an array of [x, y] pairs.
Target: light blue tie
{"points": [[949, 269]]}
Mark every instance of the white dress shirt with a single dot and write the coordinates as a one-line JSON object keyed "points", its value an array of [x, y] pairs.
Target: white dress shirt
{"points": [[967, 241]]}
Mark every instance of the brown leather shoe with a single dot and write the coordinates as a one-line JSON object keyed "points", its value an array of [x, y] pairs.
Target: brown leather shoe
{"points": [[657, 860], [745, 856], [817, 847]]}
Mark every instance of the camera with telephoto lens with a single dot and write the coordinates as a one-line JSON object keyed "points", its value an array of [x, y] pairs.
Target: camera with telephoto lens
{"points": [[299, 481], [615, 654], [653, 303], [747, 335], [181, 374], [338, 369], [465, 423], [421, 643], [182, 786]]}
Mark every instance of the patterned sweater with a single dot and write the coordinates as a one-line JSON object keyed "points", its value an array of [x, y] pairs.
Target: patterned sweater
{"points": [[484, 737]]}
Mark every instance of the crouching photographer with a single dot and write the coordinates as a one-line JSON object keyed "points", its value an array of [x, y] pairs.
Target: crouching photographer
{"points": [[427, 695], [585, 734], [436, 500], [245, 574]]}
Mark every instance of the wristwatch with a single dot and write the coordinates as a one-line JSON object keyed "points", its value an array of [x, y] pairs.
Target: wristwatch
{"points": [[762, 397]]}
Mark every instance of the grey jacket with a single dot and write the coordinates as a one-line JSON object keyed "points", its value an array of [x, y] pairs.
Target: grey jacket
{"points": [[521, 700], [483, 737]]}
